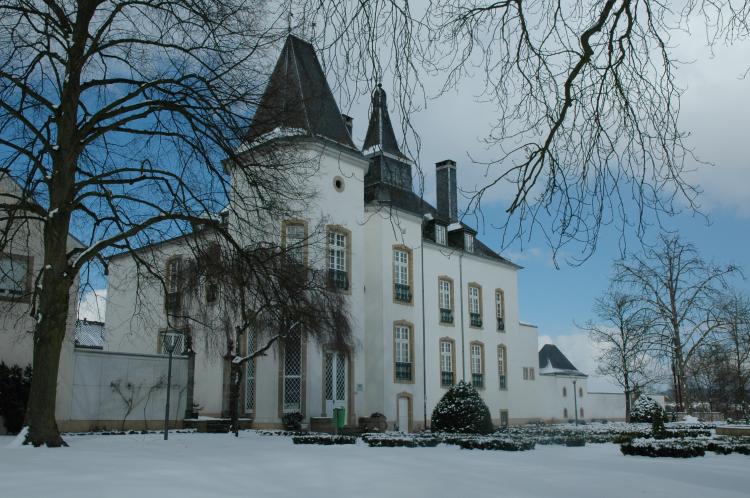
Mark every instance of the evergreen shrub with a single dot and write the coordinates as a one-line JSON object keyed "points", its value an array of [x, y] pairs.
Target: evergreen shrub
{"points": [[462, 410], [15, 384], [644, 410]]}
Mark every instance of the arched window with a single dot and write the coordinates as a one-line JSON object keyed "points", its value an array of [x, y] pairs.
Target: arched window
{"points": [[565, 392]]}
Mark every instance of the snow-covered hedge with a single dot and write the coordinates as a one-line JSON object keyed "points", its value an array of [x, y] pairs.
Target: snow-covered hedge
{"points": [[676, 448], [494, 443], [462, 410], [644, 410], [400, 441], [324, 439], [685, 448]]}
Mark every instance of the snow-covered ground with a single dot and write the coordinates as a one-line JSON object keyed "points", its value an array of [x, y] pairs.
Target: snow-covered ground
{"points": [[218, 465]]}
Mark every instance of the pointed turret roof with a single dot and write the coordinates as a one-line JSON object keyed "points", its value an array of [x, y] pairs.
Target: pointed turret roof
{"points": [[552, 361], [380, 136], [298, 99]]}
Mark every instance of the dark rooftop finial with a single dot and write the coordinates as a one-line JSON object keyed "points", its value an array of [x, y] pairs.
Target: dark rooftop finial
{"points": [[380, 136]]}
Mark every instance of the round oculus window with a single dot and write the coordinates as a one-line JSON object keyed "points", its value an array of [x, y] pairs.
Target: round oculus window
{"points": [[338, 184]]}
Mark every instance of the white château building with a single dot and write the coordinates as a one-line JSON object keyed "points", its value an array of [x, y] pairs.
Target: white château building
{"points": [[431, 304]]}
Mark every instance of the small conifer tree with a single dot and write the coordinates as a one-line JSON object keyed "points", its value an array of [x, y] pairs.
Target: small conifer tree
{"points": [[462, 410]]}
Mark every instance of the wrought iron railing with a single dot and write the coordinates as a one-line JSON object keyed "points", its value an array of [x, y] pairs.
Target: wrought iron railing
{"points": [[446, 378], [338, 279], [446, 316], [475, 319], [402, 292], [403, 371], [477, 380]]}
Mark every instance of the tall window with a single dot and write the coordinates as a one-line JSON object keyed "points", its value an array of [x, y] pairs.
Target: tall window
{"points": [[294, 240], [502, 366], [440, 235], [446, 362], [500, 309], [250, 374], [402, 289], [475, 307], [469, 242], [445, 298], [477, 365], [337, 269], [565, 391], [292, 374], [173, 298], [402, 353], [13, 276], [528, 373]]}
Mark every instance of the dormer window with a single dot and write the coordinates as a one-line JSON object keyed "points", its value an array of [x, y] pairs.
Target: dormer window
{"points": [[468, 242], [440, 235]]}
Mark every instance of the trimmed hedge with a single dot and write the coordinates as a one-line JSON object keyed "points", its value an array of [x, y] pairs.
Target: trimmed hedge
{"points": [[396, 441], [324, 439], [676, 448], [502, 444]]}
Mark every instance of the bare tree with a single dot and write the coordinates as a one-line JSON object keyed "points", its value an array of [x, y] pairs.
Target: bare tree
{"points": [[734, 335], [679, 289], [587, 99], [268, 291], [117, 119], [621, 332]]}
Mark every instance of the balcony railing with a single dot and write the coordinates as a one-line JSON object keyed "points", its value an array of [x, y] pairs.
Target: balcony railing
{"points": [[446, 379], [477, 380], [475, 319], [338, 279], [403, 371], [446, 316], [503, 379], [402, 292], [500, 324]]}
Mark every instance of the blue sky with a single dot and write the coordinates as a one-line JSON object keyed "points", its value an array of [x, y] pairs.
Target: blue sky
{"points": [[715, 110]]}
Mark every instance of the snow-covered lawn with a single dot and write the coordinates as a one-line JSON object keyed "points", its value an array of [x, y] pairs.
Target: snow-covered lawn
{"points": [[208, 465]]}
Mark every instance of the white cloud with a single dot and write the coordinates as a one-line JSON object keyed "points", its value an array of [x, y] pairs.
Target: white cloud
{"points": [[582, 353], [92, 305]]}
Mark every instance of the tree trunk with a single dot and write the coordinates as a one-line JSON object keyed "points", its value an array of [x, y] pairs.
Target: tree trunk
{"points": [[234, 396], [627, 400], [49, 333]]}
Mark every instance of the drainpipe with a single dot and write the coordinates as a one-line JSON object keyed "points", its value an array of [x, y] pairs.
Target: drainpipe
{"points": [[461, 300], [424, 332]]}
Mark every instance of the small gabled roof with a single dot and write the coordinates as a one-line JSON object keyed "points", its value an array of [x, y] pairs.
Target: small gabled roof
{"points": [[298, 100], [380, 136], [553, 362], [89, 334]]}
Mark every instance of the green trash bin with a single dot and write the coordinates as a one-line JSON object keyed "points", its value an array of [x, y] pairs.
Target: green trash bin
{"points": [[339, 418]]}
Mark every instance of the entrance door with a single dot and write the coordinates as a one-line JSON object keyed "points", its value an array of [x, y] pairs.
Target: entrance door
{"points": [[403, 414], [335, 382]]}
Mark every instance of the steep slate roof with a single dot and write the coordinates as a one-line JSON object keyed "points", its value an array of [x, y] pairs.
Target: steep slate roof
{"points": [[380, 136], [553, 362], [298, 98], [408, 201], [89, 334]]}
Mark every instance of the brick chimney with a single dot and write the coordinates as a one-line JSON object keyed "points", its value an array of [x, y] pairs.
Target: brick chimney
{"points": [[447, 197]]}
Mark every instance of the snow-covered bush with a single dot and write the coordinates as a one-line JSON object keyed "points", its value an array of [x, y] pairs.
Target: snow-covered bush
{"points": [[675, 448], [644, 410], [324, 439], [495, 443], [400, 441], [462, 410]]}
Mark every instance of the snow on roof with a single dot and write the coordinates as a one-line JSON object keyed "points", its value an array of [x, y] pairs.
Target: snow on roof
{"points": [[89, 334]]}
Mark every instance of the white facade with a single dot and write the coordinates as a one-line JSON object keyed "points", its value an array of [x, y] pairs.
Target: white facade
{"points": [[26, 250], [406, 350]]}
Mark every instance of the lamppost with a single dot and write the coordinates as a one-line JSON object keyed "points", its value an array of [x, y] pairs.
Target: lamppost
{"points": [[169, 343], [575, 400]]}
